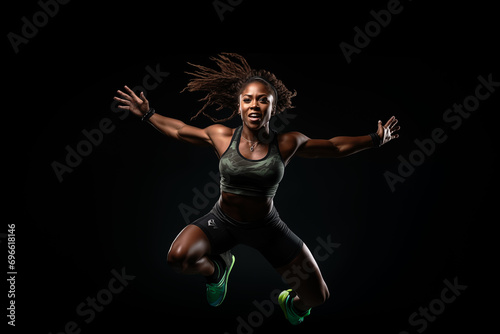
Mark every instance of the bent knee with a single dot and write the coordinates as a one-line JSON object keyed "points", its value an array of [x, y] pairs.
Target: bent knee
{"points": [[176, 258], [326, 294], [322, 296], [319, 297], [181, 259]]}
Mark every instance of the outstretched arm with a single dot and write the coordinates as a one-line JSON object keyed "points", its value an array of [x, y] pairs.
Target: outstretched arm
{"points": [[171, 127], [342, 146]]}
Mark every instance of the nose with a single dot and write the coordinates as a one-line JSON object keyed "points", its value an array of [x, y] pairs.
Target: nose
{"points": [[254, 105]]}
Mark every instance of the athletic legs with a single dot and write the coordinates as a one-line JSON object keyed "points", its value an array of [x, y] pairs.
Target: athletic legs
{"points": [[191, 253]]}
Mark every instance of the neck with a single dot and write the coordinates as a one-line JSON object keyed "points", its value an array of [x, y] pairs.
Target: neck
{"points": [[262, 134]]}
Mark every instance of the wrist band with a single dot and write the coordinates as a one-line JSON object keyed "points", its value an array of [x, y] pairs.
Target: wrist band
{"points": [[375, 139], [148, 115]]}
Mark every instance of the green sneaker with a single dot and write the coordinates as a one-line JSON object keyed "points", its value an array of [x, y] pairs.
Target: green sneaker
{"points": [[216, 292], [285, 301]]}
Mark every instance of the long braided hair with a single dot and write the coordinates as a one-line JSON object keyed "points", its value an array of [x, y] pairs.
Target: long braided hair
{"points": [[223, 87]]}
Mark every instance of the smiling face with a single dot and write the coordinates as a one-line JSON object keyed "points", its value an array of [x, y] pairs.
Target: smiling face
{"points": [[256, 105]]}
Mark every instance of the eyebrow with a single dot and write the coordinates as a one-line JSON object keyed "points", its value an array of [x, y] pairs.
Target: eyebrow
{"points": [[260, 95]]}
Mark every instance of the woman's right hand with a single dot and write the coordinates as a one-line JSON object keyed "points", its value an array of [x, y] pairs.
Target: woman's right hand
{"points": [[138, 106]]}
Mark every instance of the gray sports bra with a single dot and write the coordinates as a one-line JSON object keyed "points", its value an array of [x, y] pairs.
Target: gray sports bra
{"points": [[242, 176]]}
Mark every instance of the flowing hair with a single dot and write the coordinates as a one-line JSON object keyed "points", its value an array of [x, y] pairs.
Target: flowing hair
{"points": [[224, 86]]}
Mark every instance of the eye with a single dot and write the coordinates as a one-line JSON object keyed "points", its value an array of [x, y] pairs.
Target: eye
{"points": [[247, 100], [264, 100]]}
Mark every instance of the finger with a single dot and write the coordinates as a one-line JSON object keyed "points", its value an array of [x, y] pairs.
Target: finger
{"points": [[132, 94], [394, 123], [124, 107], [389, 121], [380, 128], [124, 95], [143, 98], [127, 102]]}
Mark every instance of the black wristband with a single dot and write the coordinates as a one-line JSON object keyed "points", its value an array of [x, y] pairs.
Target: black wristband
{"points": [[148, 115], [375, 139]]}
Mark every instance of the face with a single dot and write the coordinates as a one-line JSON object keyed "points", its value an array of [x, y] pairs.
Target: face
{"points": [[256, 105]]}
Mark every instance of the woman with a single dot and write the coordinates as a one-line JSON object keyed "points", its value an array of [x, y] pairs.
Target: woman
{"points": [[252, 160]]}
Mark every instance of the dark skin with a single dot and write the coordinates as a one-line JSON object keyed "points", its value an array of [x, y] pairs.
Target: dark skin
{"points": [[190, 250]]}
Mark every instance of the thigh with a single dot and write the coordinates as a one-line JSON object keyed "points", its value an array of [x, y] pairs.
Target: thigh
{"points": [[216, 231], [277, 243]]}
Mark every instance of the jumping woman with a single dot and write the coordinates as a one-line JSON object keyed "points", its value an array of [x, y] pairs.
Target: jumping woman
{"points": [[252, 161]]}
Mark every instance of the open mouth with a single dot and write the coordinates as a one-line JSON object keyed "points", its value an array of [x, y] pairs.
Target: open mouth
{"points": [[254, 117]]}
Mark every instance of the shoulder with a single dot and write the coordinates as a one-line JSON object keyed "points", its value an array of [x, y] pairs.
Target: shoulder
{"points": [[289, 143], [293, 138], [219, 130]]}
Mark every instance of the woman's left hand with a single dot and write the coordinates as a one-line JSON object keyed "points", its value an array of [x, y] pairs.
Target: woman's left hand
{"points": [[387, 132]]}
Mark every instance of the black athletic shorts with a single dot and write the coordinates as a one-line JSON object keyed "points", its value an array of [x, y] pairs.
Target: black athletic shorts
{"points": [[270, 236]]}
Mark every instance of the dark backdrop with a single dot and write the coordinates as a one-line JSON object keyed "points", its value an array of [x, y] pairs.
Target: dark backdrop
{"points": [[117, 211]]}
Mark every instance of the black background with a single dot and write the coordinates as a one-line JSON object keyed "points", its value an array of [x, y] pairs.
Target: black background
{"points": [[119, 208]]}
